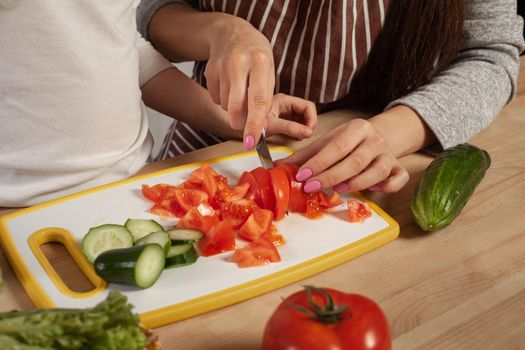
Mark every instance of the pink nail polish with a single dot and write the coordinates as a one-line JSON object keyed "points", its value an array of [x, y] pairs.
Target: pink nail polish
{"points": [[312, 186], [303, 174], [375, 188], [249, 142], [342, 187]]}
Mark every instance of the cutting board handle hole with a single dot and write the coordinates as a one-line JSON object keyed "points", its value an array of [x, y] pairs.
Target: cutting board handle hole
{"points": [[61, 257], [66, 267]]}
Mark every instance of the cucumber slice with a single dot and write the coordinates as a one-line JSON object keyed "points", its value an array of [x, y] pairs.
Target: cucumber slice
{"points": [[185, 234], [105, 237], [137, 266], [142, 227], [161, 238], [180, 255]]}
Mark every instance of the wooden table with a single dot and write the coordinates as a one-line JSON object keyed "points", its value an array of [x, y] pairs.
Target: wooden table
{"points": [[460, 288]]}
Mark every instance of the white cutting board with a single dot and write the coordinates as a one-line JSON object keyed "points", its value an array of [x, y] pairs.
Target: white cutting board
{"points": [[212, 282]]}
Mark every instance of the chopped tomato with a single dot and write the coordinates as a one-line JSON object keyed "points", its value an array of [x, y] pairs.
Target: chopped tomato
{"points": [[257, 253], [297, 196], [221, 238], [161, 211], [238, 211], [262, 177], [154, 193], [275, 237], [281, 191], [205, 179], [222, 182], [253, 191], [258, 224], [230, 194], [201, 217], [334, 200], [315, 205], [357, 211], [290, 170], [187, 199]]}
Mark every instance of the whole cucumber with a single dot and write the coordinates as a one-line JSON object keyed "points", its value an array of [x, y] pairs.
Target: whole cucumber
{"points": [[447, 184]]}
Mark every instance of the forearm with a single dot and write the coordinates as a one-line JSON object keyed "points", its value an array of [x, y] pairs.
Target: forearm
{"points": [[403, 129], [172, 93], [183, 33]]}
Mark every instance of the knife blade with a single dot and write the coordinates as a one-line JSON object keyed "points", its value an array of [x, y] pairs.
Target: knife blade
{"points": [[263, 152]]}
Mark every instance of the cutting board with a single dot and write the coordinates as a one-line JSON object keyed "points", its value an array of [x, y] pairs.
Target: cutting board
{"points": [[212, 282]]}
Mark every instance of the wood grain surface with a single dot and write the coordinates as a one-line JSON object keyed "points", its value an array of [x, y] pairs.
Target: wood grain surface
{"points": [[459, 288]]}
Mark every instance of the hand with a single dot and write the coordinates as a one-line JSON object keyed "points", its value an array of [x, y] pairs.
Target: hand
{"points": [[352, 157], [240, 75], [291, 116]]}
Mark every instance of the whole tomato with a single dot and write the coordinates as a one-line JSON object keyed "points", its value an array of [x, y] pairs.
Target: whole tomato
{"points": [[322, 318]]}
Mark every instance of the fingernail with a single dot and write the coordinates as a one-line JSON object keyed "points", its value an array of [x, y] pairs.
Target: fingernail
{"points": [[312, 186], [375, 188], [303, 174], [249, 142], [342, 187]]}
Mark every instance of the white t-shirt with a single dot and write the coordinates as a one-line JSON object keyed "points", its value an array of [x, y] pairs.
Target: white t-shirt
{"points": [[71, 114]]}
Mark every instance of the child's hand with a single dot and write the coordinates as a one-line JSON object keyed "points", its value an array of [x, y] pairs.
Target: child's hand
{"points": [[352, 157], [291, 116]]}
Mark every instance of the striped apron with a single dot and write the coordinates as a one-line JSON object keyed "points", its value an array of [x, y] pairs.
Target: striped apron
{"points": [[317, 46]]}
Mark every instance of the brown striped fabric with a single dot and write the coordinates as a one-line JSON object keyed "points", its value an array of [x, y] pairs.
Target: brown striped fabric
{"points": [[317, 47]]}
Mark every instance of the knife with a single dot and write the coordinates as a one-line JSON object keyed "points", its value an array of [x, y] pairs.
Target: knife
{"points": [[263, 152]]}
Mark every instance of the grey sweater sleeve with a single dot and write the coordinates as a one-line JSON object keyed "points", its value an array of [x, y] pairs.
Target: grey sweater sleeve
{"points": [[466, 97], [147, 9]]}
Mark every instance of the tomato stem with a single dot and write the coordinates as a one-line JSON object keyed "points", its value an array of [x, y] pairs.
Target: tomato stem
{"points": [[331, 313]]}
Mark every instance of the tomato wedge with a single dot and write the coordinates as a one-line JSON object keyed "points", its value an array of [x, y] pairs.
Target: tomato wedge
{"points": [[229, 194], [205, 179], [257, 253], [262, 177], [202, 218], [258, 224], [253, 192], [281, 191], [238, 211], [187, 199], [221, 238], [154, 193], [357, 211]]}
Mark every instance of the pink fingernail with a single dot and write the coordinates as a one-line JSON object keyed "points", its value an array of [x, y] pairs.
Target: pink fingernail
{"points": [[249, 142], [312, 186], [303, 174], [342, 187], [375, 188]]}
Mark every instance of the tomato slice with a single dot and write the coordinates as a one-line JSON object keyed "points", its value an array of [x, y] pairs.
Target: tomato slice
{"points": [[205, 179], [238, 211], [357, 211], [297, 196], [290, 170], [281, 191], [258, 224], [262, 177], [257, 253], [201, 217], [253, 192], [230, 194], [187, 199], [220, 238]]}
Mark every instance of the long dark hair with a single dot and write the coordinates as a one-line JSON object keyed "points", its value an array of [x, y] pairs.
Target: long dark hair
{"points": [[418, 40]]}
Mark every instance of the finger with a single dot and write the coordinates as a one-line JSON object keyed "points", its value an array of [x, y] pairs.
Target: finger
{"points": [[357, 160], [379, 170], [304, 154], [259, 104], [212, 85], [344, 146], [237, 102], [397, 180], [288, 127], [224, 89]]}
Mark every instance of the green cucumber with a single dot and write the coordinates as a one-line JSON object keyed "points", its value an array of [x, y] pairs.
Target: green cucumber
{"points": [[142, 227], [447, 184], [105, 237], [161, 238], [180, 255], [180, 236], [138, 266]]}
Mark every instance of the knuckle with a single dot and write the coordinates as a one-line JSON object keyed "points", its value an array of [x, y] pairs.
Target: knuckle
{"points": [[317, 164], [260, 57], [259, 101], [359, 161], [329, 180], [341, 145]]}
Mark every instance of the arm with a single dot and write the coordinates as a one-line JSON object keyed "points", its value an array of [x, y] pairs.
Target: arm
{"points": [[237, 56]]}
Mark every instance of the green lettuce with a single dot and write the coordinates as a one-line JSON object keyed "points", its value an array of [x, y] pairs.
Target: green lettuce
{"points": [[110, 325]]}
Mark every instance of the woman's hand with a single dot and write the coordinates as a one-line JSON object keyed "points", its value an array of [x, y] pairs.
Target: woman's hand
{"points": [[352, 157], [240, 76], [291, 116]]}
